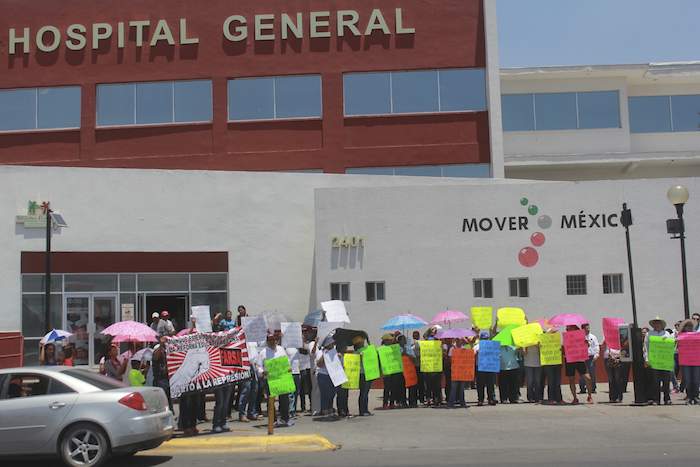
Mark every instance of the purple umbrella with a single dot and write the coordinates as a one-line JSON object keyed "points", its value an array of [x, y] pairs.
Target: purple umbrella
{"points": [[448, 317], [456, 333]]}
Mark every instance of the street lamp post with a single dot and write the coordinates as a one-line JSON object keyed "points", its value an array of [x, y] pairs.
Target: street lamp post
{"points": [[47, 279], [678, 196]]}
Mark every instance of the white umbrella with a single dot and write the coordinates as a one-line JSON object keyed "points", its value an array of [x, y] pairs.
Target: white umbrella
{"points": [[55, 335], [143, 354]]}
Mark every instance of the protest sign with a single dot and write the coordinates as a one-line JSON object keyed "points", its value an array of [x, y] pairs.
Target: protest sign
{"points": [[611, 332], [370, 362], [550, 348], [255, 328], [390, 359], [334, 367], [279, 376], [489, 359], [689, 349], [482, 317], [335, 311], [409, 371], [202, 318], [510, 315], [325, 328], [462, 365], [291, 335], [525, 336], [661, 353], [505, 337], [351, 365], [201, 362], [430, 356], [575, 346]]}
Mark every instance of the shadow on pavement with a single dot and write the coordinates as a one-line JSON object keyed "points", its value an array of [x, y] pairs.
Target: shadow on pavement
{"points": [[132, 461]]}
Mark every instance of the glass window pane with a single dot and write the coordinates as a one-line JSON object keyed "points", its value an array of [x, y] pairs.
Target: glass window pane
{"points": [[193, 101], [251, 99], [599, 109], [513, 287], [369, 286], [31, 352], [35, 283], [518, 112], [488, 288], [127, 282], [523, 285], [115, 104], [33, 322], [129, 299], [335, 291], [414, 91], [218, 302], [18, 109], [298, 96], [555, 111], [462, 89], [59, 107], [366, 93], [686, 113], [209, 281], [477, 288], [380, 290], [419, 171], [154, 102], [370, 171], [345, 292], [466, 170], [91, 282], [163, 282], [650, 114]]}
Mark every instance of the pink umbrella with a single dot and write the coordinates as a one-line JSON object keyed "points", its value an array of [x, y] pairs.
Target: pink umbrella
{"points": [[131, 331], [184, 332], [545, 323], [456, 333], [448, 317], [568, 319]]}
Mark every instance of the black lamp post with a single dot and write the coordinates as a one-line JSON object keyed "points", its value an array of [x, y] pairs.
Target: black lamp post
{"points": [[47, 278], [678, 196]]}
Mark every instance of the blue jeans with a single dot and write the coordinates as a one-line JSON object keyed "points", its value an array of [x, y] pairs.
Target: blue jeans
{"points": [[222, 397], [590, 366], [293, 396], [691, 378], [325, 384], [533, 376], [457, 393], [248, 398], [363, 398]]}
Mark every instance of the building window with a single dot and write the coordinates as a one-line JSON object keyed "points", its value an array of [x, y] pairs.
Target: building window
{"points": [[576, 284], [40, 108], [518, 287], [664, 114], [448, 170], [612, 283], [483, 288], [273, 98], [154, 103], [375, 291], [340, 291], [561, 111], [419, 91]]}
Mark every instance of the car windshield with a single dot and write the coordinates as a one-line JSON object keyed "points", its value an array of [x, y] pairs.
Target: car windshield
{"points": [[97, 380]]}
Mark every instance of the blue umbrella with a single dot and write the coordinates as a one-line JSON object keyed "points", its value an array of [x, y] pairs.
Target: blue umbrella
{"points": [[55, 335], [403, 322]]}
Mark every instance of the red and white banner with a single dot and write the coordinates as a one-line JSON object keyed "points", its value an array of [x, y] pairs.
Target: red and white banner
{"points": [[201, 362]]}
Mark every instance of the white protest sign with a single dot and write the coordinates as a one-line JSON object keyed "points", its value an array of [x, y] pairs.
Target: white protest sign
{"points": [[291, 336], [335, 311], [325, 328], [255, 328], [203, 318], [334, 367], [252, 348]]}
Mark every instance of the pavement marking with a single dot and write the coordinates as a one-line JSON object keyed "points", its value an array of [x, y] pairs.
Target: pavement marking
{"points": [[233, 444]]}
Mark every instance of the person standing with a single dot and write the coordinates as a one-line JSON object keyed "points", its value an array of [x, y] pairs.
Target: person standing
{"points": [[114, 368], [165, 327], [242, 313], [456, 387], [304, 374], [615, 378], [691, 374], [248, 389], [533, 373], [580, 368], [325, 384], [433, 381], [552, 374], [160, 370], [508, 377], [228, 322], [269, 351], [47, 355], [593, 354], [484, 380], [421, 381], [359, 344], [155, 318], [660, 379], [295, 363]]}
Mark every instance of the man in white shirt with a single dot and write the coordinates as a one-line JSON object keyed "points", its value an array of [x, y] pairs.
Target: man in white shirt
{"points": [[593, 354], [165, 326], [269, 351], [660, 379]]}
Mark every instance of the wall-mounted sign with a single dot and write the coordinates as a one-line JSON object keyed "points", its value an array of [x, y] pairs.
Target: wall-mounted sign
{"points": [[128, 312], [347, 241], [35, 217]]}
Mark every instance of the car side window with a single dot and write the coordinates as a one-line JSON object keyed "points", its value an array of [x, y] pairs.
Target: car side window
{"points": [[3, 379], [57, 387], [27, 385]]}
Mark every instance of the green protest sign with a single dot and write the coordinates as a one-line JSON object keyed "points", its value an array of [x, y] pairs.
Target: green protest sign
{"points": [[661, 350], [279, 378], [505, 337], [390, 358], [370, 362]]}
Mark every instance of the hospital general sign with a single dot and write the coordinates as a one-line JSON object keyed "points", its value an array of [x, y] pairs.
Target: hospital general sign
{"points": [[235, 28]]}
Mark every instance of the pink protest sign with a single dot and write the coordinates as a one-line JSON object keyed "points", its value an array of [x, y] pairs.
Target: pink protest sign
{"points": [[610, 332], [575, 346], [689, 349]]}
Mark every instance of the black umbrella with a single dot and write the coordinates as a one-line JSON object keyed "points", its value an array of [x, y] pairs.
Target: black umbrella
{"points": [[343, 337]]}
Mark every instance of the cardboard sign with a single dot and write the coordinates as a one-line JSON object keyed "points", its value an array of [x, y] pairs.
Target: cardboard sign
{"points": [[661, 353], [505, 337], [410, 375], [351, 365], [462, 365], [611, 332], [390, 359], [430, 356], [255, 328], [291, 335], [689, 349], [325, 328], [335, 311], [370, 363], [482, 317], [202, 318], [279, 376], [489, 359], [510, 315], [575, 346], [334, 367], [550, 349], [525, 336]]}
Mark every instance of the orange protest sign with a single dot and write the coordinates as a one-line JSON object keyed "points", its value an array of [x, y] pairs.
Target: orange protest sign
{"points": [[462, 365], [409, 371]]}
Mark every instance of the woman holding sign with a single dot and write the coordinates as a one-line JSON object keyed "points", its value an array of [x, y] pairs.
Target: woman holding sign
{"points": [[576, 353], [273, 351]]}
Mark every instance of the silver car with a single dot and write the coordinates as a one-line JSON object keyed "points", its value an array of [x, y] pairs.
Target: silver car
{"points": [[79, 415]]}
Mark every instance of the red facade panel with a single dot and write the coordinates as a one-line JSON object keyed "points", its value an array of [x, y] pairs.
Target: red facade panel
{"points": [[447, 33]]}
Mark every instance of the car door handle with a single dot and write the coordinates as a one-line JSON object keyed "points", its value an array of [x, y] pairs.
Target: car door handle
{"points": [[57, 405]]}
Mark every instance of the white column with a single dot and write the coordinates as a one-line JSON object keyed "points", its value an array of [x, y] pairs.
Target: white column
{"points": [[493, 88]]}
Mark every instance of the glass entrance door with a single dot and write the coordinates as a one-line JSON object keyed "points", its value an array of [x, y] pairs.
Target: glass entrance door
{"points": [[86, 316], [104, 311]]}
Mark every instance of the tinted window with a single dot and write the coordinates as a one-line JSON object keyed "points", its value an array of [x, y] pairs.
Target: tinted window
{"points": [[100, 382], [116, 104], [370, 171], [193, 101], [298, 96], [367, 93], [154, 102], [462, 89], [57, 387], [415, 91], [58, 107], [274, 97], [685, 113], [466, 170], [650, 114], [251, 99], [17, 109], [518, 112], [599, 109], [556, 111], [419, 170]]}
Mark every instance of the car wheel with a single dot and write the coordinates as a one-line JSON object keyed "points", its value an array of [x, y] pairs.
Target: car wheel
{"points": [[84, 445]]}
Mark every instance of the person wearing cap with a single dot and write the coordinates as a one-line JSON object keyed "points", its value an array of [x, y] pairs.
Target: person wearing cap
{"points": [[660, 379], [484, 380], [165, 326], [359, 343], [155, 318], [269, 351]]}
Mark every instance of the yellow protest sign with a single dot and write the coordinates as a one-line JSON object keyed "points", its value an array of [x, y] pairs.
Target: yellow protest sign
{"points": [[351, 365], [550, 348], [430, 356], [482, 317], [525, 336], [510, 315]]}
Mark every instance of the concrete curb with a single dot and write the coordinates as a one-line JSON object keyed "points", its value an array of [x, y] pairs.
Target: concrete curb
{"points": [[233, 444]]}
